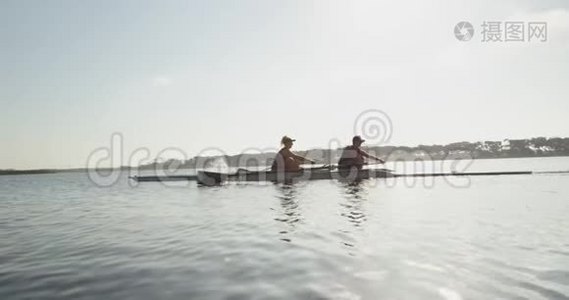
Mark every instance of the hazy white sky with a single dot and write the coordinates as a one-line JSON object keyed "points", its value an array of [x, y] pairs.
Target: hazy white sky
{"points": [[240, 74]]}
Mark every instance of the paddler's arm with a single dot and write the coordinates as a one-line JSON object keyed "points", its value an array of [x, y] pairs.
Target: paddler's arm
{"points": [[302, 159], [288, 153], [367, 155]]}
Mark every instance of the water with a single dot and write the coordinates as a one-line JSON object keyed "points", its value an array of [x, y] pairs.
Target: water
{"points": [[62, 237]]}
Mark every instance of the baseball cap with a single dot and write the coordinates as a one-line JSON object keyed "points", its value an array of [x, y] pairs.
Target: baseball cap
{"points": [[357, 138], [287, 139]]}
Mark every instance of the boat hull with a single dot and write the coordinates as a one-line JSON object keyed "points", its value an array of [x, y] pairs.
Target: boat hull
{"points": [[164, 178], [212, 178]]}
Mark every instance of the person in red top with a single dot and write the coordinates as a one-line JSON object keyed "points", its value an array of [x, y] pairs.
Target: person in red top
{"points": [[287, 161], [354, 156]]}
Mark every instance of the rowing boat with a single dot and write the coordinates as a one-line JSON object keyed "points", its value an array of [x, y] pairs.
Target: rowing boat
{"points": [[349, 175], [211, 178], [164, 178], [318, 173]]}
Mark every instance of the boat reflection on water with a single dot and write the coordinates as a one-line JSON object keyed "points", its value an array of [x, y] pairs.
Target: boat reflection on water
{"points": [[352, 201], [351, 207], [290, 212], [354, 194]]}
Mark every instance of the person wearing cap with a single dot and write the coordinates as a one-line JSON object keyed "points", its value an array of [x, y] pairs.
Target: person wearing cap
{"points": [[286, 160], [354, 156]]}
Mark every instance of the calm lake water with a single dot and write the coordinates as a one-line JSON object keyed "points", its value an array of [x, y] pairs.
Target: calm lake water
{"points": [[506, 237]]}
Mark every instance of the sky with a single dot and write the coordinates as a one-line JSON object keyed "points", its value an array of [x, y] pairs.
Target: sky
{"points": [[238, 75]]}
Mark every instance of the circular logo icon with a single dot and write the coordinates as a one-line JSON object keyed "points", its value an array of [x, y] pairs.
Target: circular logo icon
{"points": [[463, 31]]}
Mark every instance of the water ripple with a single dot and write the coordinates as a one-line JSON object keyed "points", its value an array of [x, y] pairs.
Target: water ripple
{"points": [[62, 237]]}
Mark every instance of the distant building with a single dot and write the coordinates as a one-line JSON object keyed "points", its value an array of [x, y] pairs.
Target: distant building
{"points": [[506, 145]]}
